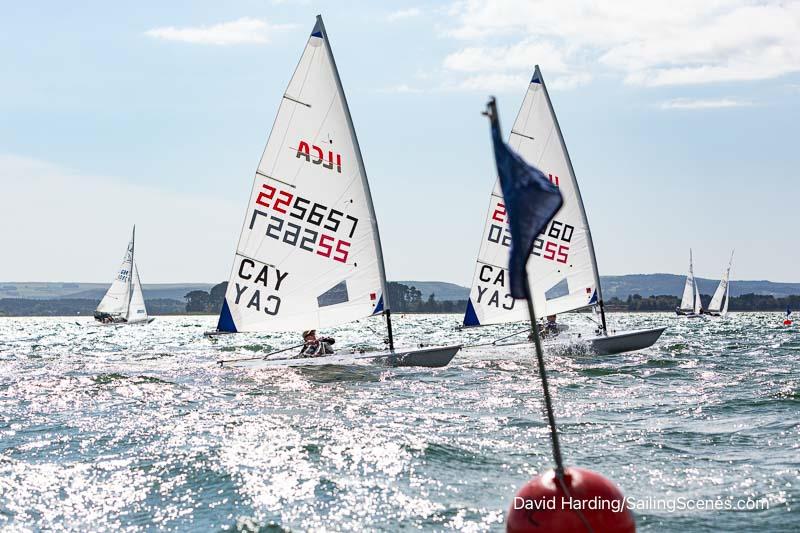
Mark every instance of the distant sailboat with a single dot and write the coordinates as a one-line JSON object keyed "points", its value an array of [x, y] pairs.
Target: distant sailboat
{"points": [[124, 301], [719, 302], [309, 254], [562, 268], [690, 306]]}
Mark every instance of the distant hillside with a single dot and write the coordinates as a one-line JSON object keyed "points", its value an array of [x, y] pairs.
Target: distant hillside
{"points": [[444, 291], [613, 286], [671, 284], [93, 291]]}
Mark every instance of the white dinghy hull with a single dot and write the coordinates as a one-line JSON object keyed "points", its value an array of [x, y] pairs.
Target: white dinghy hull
{"points": [[432, 357], [628, 341]]}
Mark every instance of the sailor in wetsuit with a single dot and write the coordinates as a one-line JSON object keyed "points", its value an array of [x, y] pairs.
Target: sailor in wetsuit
{"points": [[549, 329], [315, 347]]}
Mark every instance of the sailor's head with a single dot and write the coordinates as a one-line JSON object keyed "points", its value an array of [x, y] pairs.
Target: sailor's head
{"points": [[310, 335], [551, 318]]}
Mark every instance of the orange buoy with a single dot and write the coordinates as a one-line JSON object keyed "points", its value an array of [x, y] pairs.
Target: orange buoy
{"points": [[787, 322], [590, 503]]}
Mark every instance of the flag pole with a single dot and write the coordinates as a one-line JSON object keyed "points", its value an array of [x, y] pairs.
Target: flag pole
{"points": [[548, 404], [491, 112]]}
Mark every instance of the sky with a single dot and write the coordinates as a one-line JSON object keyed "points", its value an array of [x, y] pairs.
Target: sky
{"points": [[681, 119]]}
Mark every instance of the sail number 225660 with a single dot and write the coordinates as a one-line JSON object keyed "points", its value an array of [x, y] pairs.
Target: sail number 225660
{"points": [[548, 245]]}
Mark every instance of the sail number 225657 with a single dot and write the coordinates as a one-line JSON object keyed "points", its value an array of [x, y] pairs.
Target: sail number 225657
{"points": [[305, 212]]}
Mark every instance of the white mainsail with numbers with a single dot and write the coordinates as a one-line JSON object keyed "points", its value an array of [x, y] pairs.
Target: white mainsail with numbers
{"points": [[124, 301], [562, 268], [309, 254]]}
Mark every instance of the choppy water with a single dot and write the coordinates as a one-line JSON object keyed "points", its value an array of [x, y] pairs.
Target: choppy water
{"points": [[135, 428]]}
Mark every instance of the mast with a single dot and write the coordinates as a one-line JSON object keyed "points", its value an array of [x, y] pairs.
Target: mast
{"points": [[538, 75], [365, 182], [130, 274]]}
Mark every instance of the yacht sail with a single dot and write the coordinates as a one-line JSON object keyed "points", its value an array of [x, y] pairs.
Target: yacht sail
{"points": [[722, 294], [562, 268], [309, 254], [124, 301], [691, 304]]}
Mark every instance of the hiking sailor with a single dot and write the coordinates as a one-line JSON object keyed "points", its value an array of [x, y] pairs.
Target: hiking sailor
{"points": [[315, 347]]}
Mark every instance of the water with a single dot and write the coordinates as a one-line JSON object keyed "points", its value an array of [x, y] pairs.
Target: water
{"points": [[135, 428]]}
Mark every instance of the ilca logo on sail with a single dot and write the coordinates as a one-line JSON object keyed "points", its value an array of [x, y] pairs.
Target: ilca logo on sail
{"points": [[305, 150]]}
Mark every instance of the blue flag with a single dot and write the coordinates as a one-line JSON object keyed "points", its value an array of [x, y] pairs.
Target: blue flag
{"points": [[531, 202]]}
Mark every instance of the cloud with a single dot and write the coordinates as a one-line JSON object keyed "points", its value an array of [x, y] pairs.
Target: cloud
{"points": [[714, 103], [681, 42], [242, 31], [404, 14], [76, 226], [500, 68]]}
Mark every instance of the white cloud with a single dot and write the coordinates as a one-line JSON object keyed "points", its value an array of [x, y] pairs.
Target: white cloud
{"points": [[681, 42], [500, 68], [713, 103], [242, 31], [404, 14], [77, 226]]}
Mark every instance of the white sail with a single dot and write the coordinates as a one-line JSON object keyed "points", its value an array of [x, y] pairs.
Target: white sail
{"points": [[137, 312], [687, 300], [115, 302], [309, 253], [562, 268], [722, 291]]}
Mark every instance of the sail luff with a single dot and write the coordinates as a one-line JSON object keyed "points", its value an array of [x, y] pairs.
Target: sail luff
{"points": [[585, 219], [360, 161]]}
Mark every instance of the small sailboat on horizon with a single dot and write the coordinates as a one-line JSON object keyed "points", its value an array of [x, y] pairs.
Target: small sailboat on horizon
{"points": [[691, 306], [719, 302], [309, 255], [562, 267], [123, 303]]}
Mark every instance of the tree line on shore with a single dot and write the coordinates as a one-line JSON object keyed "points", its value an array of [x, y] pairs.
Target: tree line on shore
{"points": [[403, 298]]}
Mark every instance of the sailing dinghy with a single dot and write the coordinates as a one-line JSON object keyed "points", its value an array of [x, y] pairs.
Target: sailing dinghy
{"points": [[562, 268], [123, 303], [691, 306], [309, 255], [722, 294]]}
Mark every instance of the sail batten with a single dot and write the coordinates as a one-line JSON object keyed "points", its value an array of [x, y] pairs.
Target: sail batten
{"points": [[309, 253], [562, 254]]}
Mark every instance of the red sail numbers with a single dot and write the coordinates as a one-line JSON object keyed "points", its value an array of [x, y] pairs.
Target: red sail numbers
{"points": [[316, 155]]}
